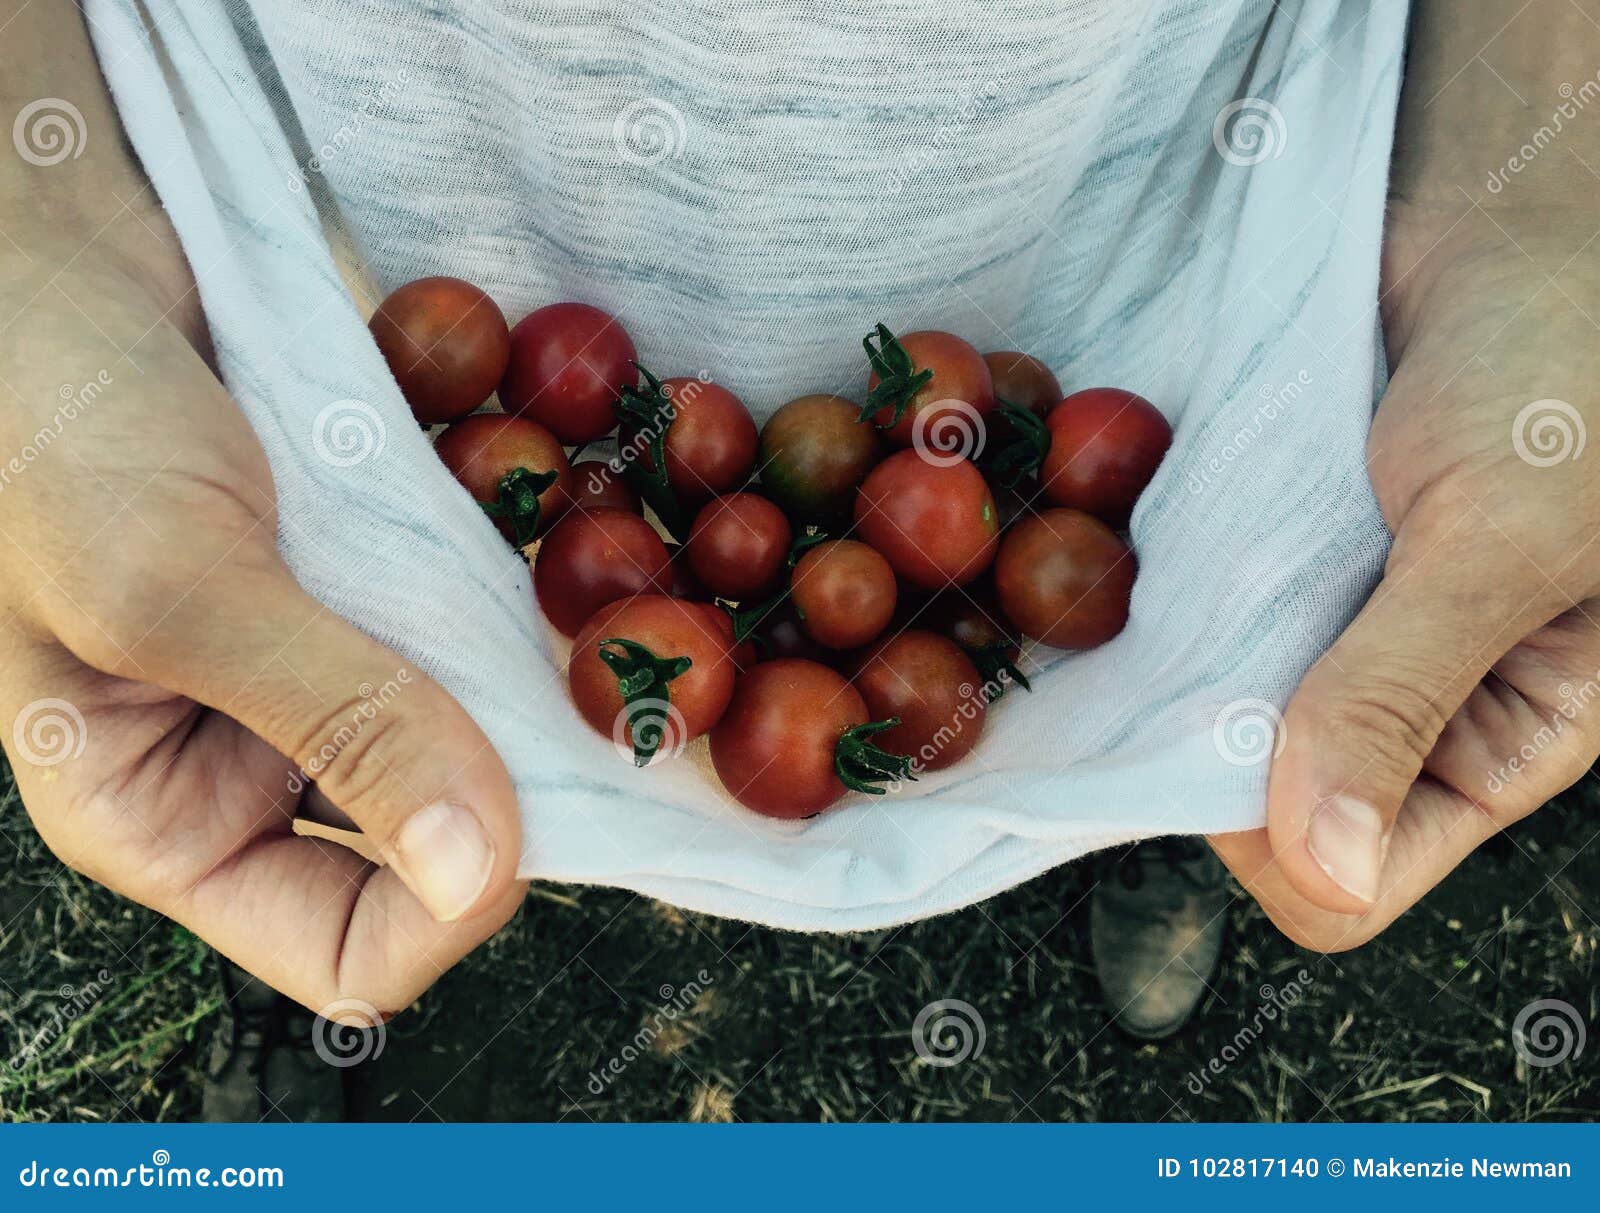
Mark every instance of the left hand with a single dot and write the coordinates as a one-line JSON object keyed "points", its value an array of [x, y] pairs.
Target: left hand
{"points": [[1467, 691]]}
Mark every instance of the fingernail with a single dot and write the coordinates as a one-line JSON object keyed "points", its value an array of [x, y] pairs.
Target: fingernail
{"points": [[445, 856], [1345, 837]]}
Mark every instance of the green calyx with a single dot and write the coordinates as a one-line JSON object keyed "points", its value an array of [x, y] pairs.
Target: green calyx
{"points": [[898, 377], [747, 619], [645, 415], [516, 501], [642, 679], [1024, 455], [996, 668], [861, 765]]}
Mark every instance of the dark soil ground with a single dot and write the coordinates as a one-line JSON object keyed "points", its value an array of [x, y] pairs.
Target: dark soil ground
{"points": [[1416, 1026]]}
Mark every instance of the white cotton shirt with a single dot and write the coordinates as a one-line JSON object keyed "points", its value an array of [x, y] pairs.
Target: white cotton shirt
{"points": [[1180, 197]]}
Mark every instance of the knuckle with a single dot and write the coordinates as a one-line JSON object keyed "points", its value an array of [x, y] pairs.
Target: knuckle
{"points": [[354, 754], [1390, 719]]}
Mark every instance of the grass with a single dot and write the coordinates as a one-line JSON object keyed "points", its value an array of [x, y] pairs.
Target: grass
{"points": [[1417, 1026]]}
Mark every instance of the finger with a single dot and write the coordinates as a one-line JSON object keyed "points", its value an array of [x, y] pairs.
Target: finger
{"points": [[383, 742], [1366, 716], [1435, 831]]}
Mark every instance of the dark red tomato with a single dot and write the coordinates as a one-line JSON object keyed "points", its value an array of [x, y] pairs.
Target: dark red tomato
{"points": [[778, 635], [1065, 578], [569, 363], [680, 644], [710, 443], [446, 344], [958, 374], [814, 455], [1105, 446], [843, 593], [596, 485], [499, 460], [679, 580], [972, 618], [591, 558], [933, 687], [1024, 381], [739, 546], [788, 730], [935, 523]]}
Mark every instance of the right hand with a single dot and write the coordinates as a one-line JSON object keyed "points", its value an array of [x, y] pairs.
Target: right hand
{"points": [[141, 585]]}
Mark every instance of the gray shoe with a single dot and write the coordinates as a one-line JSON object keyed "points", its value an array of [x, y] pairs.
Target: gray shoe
{"points": [[1156, 922], [262, 1064]]}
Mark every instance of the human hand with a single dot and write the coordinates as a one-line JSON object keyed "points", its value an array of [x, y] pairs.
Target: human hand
{"points": [[168, 691], [1463, 696]]}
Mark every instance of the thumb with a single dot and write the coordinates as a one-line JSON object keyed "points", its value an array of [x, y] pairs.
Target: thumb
{"points": [[382, 741], [1366, 716]]}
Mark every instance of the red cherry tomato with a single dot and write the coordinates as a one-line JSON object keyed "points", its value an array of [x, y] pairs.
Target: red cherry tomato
{"points": [[1105, 446], [446, 344], [935, 523], [1065, 578], [973, 619], [739, 546], [591, 558], [679, 580], [501, 460], [683, 649], [935, 690], [926, 371], [843, 593], [790, 730], [569, 363], [1024, 381], [597, 485], [710, 441]]}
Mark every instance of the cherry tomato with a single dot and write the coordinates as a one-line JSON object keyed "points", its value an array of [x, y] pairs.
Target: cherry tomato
{"points": [[935, 523], [814, 455], [591, 558], [679, 580], [1105, 446], [795, 738], [502, 461], [843, 592], [972, 618], [569, 363], [777, 634], [597, 485], [1024, 381], [933, 688], [710, 441], [446, 344], [917, 377], [674, 649], [1064, 578], [739, 546]]}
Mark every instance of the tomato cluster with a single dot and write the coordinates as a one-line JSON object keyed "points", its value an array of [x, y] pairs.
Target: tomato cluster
{"points": [[835, 599]]}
